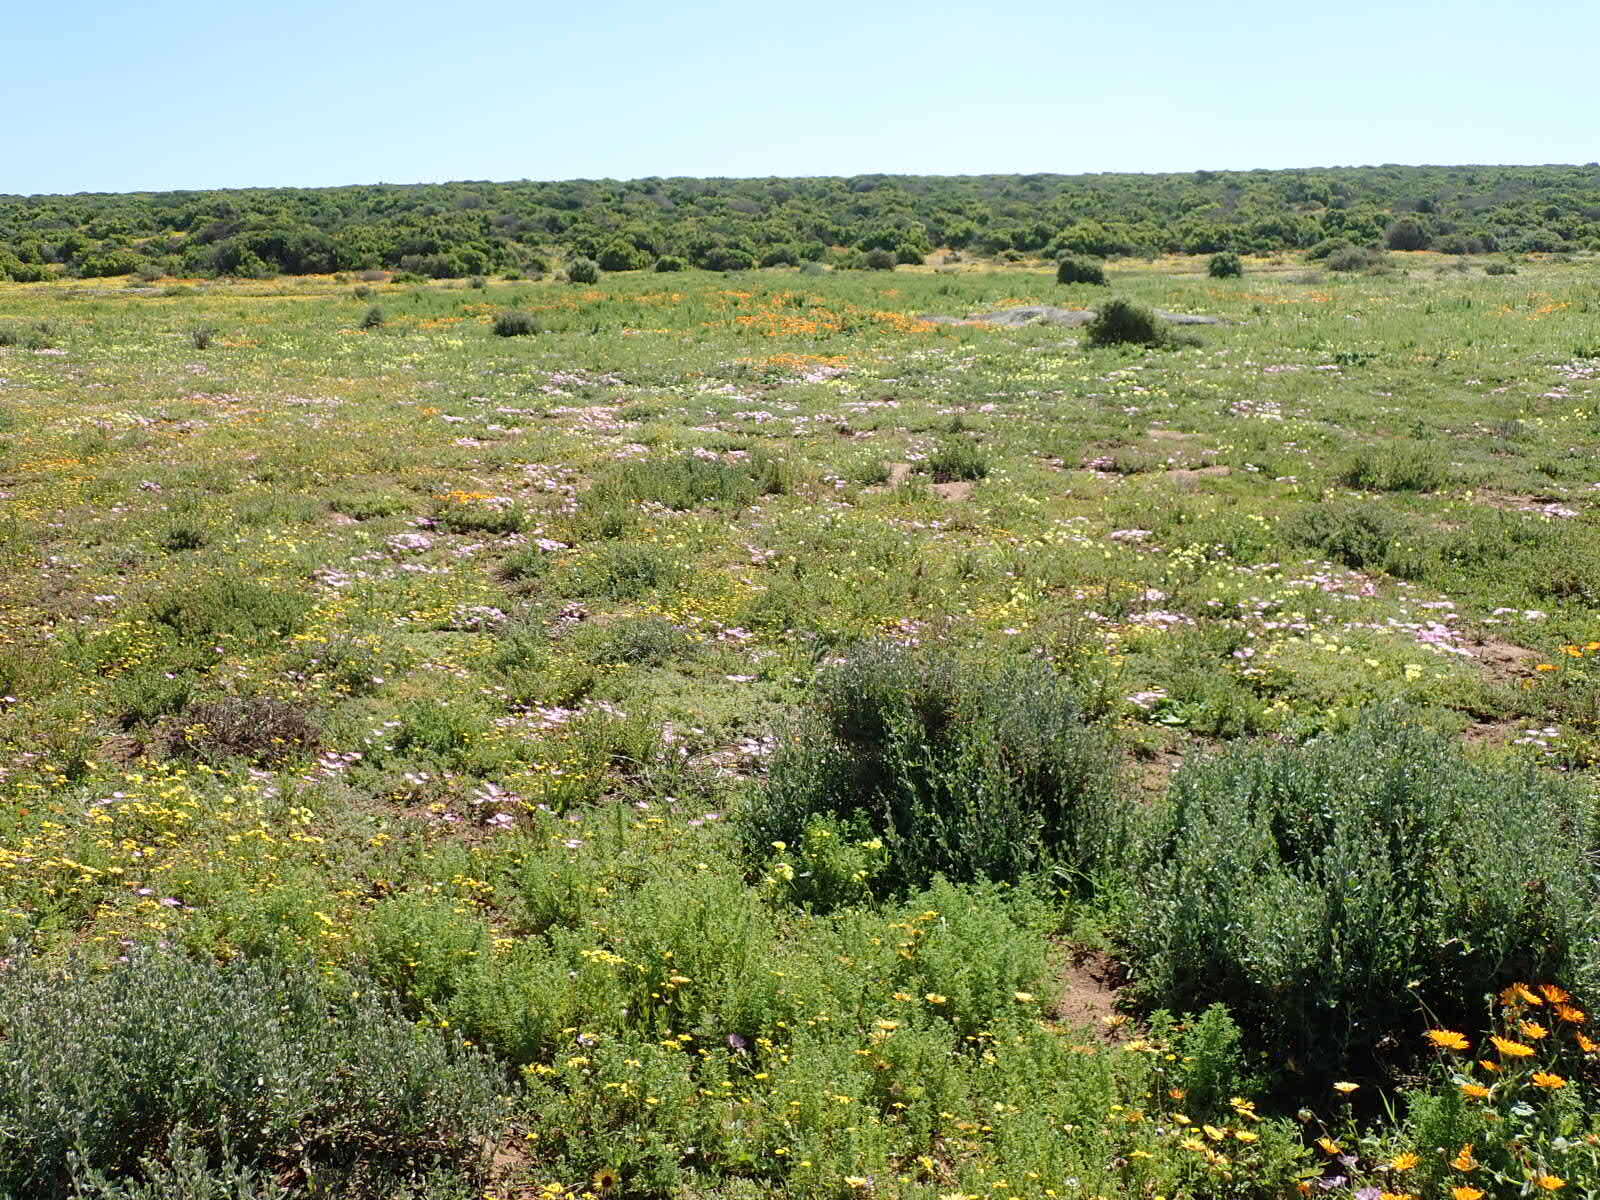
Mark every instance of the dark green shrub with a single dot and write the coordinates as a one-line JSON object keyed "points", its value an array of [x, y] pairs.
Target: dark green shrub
{"points": [[1499, 268], [583, 270], [726, 258], [879, 260], [478, 517], [670, 262], [966, 771], [515, 323], [1407, 233], [1226, 265], [623, 255], [1337, 895], [1124, 323], [1354, 258], [1395, 467], [477, 283], [249, 1062], [373, 318], [183, 535], [1075, 269]]}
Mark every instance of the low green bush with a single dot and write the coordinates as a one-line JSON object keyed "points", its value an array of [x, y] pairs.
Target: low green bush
{"points": [[1332, 894], [583, 270], [964, 770], [957, 458], [1075, 269], [373, 318], [1347, 258], [621, 570], [1357, 533], [102, 1070], [1226, 265], [1404, 466], [229, 605], [515, 323], [1124, 323], [687, 480]]}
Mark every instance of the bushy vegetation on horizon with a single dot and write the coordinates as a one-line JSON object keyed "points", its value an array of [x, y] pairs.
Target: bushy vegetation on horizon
{"points": [[457, 230]]}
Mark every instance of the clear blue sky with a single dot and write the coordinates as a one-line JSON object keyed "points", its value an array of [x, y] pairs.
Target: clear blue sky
{"points": [[109, 95]]}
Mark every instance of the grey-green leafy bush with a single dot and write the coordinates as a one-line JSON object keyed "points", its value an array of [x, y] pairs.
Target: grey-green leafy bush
{"points": [[970, 771], [583, 270], [248, 1062], [1333, 894]]}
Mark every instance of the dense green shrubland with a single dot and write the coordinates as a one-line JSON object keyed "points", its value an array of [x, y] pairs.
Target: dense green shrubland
{"points": [[465, 229]]}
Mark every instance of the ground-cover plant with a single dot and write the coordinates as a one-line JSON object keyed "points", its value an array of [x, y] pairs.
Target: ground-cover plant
{"points": [[684, 481], [1331, 894], [960, 770]]}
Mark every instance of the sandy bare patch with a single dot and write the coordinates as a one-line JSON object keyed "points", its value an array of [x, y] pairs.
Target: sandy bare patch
{"points": [[1086, 996]]}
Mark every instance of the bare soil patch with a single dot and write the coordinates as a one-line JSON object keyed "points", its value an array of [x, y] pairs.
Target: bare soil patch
{"points": [[1087, 994]]}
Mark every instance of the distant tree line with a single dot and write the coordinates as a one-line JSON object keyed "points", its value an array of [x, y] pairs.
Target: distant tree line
{"points": [[463, 229]]}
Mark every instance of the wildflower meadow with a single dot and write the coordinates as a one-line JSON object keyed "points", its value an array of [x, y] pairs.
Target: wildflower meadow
{"points": [[797, 732]]}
